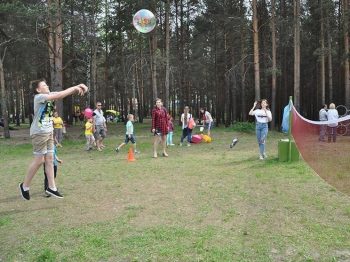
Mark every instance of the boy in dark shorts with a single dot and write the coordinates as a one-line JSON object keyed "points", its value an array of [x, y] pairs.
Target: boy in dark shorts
{"points": [[129, 134]]}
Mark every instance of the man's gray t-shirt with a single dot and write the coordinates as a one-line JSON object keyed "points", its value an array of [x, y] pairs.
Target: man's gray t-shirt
{"points": [[99, 118], [43, 113]]}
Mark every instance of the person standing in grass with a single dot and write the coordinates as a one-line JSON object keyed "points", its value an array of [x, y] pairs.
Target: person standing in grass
{"points": [[129, 134], [207, 120], [332, 115], [41, 132], [169, 138], [57, 129], [159, 127], [56, 160], [186, 130], [323, 117], [89, 134], [262, 115], [100, 126]]}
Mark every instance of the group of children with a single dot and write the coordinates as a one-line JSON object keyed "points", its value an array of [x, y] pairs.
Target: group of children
{"points": [[187, 126], [45, 144]]}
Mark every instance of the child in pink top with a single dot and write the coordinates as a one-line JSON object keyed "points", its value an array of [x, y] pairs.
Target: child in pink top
{"points": [[169, 138]]}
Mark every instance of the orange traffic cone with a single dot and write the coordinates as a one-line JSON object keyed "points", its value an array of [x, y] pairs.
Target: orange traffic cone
{"points": [[131, 156]]}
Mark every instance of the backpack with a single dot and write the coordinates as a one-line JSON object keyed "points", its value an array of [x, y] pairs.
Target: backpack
{"points": [[191, 124]]}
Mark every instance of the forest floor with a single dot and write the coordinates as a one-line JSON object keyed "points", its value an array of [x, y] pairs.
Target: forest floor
{"points": [[206, 202]]}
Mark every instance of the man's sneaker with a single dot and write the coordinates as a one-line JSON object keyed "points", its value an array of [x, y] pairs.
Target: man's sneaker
{"points": [[25, 194], [264, 155], [137, 152], [54, 193], [188, 144], [117, 149], [261, 157]]}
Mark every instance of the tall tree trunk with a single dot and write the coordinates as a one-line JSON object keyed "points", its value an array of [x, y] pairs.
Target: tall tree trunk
{"points": [[93, 70], [330, 63], [55, 42], [256, 51], [3, 98], [243, 64], [322, 60], [22, 105], [18, 101], [167, 52], [153, 47], [274, 63], [142, 86], [346, 51], [216, 80], [297, 53]]}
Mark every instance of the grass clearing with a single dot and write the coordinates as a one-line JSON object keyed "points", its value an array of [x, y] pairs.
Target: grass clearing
{"points": [[206, 202]]}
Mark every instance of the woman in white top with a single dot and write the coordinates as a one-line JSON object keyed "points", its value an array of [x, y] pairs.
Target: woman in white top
{"points": [[332, 115], [186, 131], [207, 119], [262, 115]]}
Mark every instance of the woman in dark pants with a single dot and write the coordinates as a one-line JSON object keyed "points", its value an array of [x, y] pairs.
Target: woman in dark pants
{"points": [[186, 131]]}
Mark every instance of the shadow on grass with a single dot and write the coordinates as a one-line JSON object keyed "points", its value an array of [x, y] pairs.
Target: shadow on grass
{"points": [[21, 210]]}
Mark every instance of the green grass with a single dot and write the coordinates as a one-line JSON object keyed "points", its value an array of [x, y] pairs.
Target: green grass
{"points": [[204, 203]]}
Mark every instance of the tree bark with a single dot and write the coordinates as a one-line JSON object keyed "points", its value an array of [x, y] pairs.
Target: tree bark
{"points": [[55, 42], [167, 53], [330, 61], [243, 64], [274, 63], [256, 51], [297, 54], [322, 58], [153, 47], [3, 98], [18, 101], [346, 51]]}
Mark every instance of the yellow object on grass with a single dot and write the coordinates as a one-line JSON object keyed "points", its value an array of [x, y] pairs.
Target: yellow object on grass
{"points": [[206, 138]]}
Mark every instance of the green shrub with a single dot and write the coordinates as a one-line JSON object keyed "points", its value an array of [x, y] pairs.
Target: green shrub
{"points": [[245, 127]]}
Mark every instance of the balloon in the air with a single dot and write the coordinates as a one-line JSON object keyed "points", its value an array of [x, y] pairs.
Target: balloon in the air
{"points": [[144, 21]]}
